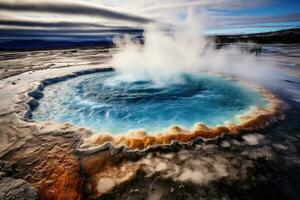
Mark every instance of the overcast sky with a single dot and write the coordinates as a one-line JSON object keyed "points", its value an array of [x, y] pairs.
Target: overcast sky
{"points": [[93, 18]]}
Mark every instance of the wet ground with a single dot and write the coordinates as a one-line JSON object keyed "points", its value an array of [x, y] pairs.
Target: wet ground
{"points": [[260, 165], [17, 62], [269, 169], [255, 165]]}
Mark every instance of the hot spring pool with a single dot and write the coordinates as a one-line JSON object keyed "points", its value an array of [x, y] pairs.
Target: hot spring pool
{"points": [[106, 102]]}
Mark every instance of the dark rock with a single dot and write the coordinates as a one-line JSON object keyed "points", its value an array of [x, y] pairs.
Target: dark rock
{"points": [[6, 168], [17, 189], [37, 94], [33, 103], [14, 189]]}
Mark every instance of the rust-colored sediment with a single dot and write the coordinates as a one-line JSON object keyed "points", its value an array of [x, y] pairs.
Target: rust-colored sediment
{"points": [[45, 153], [46, 159], [104, 172], [256, 118]]}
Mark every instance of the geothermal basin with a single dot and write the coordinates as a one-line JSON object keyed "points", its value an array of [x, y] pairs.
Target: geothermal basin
{"points": [[109, 102], [71, 166]]}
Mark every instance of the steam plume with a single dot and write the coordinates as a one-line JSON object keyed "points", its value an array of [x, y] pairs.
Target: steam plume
{"points": [[165, 56]]}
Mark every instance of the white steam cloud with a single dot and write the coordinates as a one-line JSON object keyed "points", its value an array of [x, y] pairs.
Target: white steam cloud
{"points": [[165, 56]]}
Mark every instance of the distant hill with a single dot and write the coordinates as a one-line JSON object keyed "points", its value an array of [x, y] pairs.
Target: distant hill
{"points": [[50, 44], [282, 36]]}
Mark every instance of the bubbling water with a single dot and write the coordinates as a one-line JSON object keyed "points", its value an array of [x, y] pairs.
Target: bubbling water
{"points": [[116, 103]]}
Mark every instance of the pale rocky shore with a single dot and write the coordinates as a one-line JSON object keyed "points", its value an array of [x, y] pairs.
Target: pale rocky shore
{"points": [[41, 160], [42, 154]]}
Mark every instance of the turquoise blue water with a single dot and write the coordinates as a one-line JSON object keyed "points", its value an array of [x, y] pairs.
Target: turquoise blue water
{"points": [[106, 102]]}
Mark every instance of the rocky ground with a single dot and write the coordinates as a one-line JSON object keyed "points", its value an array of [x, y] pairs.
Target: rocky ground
{"points": [[13, 63], [41, 160]]}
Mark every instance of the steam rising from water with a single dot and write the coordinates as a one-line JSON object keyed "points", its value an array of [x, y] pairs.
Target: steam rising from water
{"points": [[164, 59], [164, 56]]}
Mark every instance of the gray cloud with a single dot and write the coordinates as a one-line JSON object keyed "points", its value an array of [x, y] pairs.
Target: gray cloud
{"points": [[45, 24], [65, 33], [294, 17], [76, 17], [217, 4], [69, 8], [234, 21], [69, 31]]}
